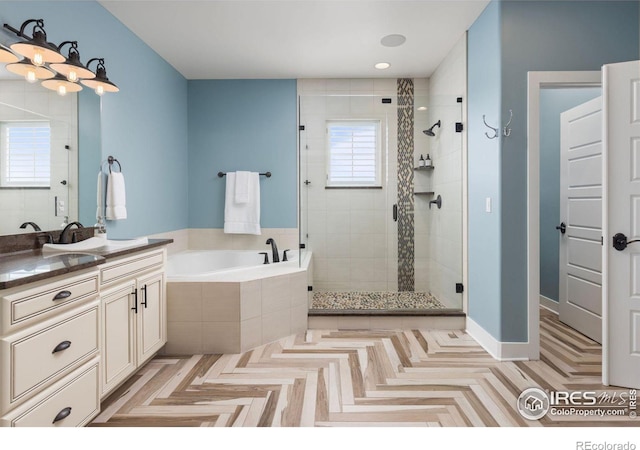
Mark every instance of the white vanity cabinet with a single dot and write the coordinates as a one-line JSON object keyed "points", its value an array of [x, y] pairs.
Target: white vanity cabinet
{"points": [[133, 307], [49, 351]]}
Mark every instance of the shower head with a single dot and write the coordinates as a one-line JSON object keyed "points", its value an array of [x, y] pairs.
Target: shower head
{"points": [[430, 132]]}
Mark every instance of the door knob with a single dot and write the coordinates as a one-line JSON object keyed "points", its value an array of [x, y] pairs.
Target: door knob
{"points": [[620, 241], [562, 227]]}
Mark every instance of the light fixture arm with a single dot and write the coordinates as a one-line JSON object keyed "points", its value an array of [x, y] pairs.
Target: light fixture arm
{"points": [[39, 24], [100, 63], [74, 46]]}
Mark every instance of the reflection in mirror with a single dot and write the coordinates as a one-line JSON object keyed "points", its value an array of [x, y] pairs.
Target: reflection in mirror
{"points": [[38, 157], [89, 157]]}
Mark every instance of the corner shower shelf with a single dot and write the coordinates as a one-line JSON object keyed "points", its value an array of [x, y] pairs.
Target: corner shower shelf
{"points": [[424, 193], [423, 168]]}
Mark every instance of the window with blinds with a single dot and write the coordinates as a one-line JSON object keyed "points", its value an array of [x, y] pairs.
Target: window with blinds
{"points": [[354, 154], [25, 154]]}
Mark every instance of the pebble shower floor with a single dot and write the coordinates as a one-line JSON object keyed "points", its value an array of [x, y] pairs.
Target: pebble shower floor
{"points": [[375, 301]]}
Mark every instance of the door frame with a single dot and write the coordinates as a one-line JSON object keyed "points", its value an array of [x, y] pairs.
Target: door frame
{"points": [[536, 82]]}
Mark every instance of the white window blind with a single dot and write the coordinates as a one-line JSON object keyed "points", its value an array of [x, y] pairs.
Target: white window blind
{"points": [[354, 153], [25, 154]]}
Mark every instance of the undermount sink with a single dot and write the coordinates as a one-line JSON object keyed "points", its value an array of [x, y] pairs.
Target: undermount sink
{"points": [[95, 243]]}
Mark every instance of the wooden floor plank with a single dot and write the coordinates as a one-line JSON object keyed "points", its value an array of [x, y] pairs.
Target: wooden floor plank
{"points": [[360, 378]]}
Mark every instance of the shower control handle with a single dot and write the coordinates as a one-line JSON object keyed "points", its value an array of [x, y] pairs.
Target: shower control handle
{"points": [[395, 212]]}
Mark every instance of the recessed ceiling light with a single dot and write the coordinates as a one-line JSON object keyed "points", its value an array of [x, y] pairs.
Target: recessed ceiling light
{"points": [[382, 65], [422, 108], [393, 40]]}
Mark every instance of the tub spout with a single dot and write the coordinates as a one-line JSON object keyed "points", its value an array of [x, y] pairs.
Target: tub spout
{"points": [[274, 250]]}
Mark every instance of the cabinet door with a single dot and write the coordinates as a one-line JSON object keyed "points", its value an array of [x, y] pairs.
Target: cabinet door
{"points": [[118, 336], [151, 315]]}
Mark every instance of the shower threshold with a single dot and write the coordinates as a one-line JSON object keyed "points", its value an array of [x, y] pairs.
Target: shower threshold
{"points": [[379, 304]]}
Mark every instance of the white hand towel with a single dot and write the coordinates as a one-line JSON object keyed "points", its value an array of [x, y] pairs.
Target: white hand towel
{"points": [[242, 187], [242, 218], [116, 197], [99, 208]]}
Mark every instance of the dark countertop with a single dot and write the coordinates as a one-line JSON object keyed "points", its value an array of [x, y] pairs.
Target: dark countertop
{"points": [[19, 268]]}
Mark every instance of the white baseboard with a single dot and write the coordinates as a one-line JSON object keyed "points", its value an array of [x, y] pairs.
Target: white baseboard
{"points": [[502, 351], [549, 304]]}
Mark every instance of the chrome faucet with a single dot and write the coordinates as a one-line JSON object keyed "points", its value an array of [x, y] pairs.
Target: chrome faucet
{"points": [[274, 250], [64, 236], [34, 225]]}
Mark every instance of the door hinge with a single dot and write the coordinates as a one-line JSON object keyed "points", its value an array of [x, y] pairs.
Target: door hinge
{"points": [[459, 288], [601, 240], [301, 128]]}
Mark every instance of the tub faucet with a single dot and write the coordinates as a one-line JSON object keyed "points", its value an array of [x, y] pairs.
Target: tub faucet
{"points": [[274, 250], [64, 236]]}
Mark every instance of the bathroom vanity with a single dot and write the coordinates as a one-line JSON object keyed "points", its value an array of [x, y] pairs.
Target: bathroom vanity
{"points": [[74, 326]]}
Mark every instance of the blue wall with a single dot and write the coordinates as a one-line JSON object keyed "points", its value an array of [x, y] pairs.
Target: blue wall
{"points": [[553, 102], [484, 169], [242, 125], [535, 36], [144, 125]]}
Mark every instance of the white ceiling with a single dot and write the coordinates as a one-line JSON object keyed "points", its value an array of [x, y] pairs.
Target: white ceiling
{"points": [[213, 39]]}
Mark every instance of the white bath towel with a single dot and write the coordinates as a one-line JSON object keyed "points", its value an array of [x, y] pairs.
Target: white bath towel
{"points": [[116, 197], [99, 208], [242, 186], [242, 218]]}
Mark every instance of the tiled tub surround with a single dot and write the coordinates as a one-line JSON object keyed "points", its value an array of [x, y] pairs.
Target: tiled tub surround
{"points": [[236, 310]]}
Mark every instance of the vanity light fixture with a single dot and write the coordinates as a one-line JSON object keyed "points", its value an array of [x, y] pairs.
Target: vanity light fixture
{"points": [[100, 83], [44, 61], [30, 72], [72, 68], [7, 56], [35, 47], [61, 85]]}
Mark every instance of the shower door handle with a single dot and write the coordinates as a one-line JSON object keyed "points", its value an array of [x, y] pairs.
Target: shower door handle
{"points": [[395, 212]]}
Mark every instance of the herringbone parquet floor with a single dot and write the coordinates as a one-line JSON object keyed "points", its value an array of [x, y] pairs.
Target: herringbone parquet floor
{"points": [[360, 378]]}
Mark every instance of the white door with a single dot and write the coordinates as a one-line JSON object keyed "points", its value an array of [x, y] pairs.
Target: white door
{"points": [[580, 302], [621, 87]]}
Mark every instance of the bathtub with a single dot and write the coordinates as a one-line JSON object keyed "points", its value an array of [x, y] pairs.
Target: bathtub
{"points": [[200, 264], [228, 301]]}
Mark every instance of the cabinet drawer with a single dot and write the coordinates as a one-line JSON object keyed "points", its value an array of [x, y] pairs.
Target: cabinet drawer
{"points": [[74, 404], [126, 268], [39, 356], [33, 303]]}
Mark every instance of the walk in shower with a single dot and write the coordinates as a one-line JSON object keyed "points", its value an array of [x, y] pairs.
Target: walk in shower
{"points": [[381, 195]]}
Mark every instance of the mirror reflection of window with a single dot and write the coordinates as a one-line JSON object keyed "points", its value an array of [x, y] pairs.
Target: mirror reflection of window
{"points": [[25, 154]]}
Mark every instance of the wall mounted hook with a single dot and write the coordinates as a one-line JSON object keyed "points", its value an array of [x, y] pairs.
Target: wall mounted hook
{"points": [[495, 130], [506, 131]]}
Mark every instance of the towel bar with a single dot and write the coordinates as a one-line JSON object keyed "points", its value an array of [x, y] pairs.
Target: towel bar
{"points": [[266, 174]]}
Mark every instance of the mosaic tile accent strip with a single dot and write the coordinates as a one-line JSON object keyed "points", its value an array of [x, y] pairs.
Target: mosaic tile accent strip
{"points": [[375, 300], [406, 242]]}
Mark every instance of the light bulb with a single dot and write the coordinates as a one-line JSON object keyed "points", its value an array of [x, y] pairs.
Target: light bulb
{"points": [[62, 89], [31, 76], [99, 90], [73, 76], [38, 59]]}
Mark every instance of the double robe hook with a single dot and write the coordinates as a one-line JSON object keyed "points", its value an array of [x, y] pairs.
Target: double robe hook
{"points": [[506, 131]]}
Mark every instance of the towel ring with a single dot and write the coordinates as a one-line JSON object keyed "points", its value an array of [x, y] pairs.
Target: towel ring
{"points": [[111, 160]]}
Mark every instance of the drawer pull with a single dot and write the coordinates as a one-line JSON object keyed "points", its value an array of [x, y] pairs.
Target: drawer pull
{"points": [[144, 296], [63, 414], [135, 301], [62, 295], [62, 346]]}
